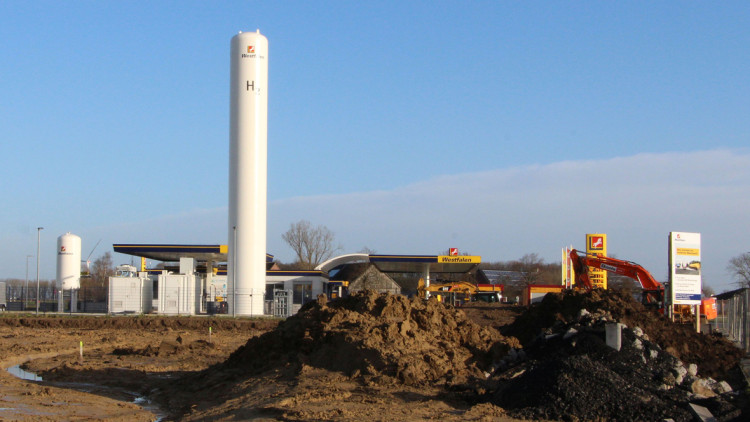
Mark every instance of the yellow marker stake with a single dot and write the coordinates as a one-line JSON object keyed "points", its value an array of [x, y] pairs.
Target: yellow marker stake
{"points": [[81, 349], [209, 334]]}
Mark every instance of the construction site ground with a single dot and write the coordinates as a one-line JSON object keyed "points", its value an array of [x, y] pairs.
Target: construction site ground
{"points": [[372, 357]]}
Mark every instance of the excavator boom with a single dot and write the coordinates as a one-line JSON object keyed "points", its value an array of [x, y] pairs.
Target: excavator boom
{"points": [[652, 289]]}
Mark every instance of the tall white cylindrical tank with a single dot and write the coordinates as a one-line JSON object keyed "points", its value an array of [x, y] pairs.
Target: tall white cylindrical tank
{"points": [[248, 157], [68, 262]]}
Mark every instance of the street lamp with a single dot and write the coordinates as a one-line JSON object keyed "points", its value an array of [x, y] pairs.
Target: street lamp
{"points": [[26, 291], [38, 234]]}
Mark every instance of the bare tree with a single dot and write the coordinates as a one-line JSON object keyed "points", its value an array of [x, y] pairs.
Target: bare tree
{"points": [[14, 288], [312, 245], [96, 285], [739, 266], [530, 266]]}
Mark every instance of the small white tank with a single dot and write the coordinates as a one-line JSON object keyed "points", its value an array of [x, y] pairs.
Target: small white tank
{"points": [[68, 262]]}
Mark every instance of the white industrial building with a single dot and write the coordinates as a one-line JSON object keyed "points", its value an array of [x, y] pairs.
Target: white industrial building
{"points": [[304, 285], [198, 284], [130, 291], [182, 293]]}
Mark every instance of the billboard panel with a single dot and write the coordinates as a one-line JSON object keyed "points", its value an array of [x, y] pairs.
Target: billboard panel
{"points": [[596, 244], [685, 268]]}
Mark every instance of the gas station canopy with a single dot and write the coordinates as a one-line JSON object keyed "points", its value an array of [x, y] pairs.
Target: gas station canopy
{"points": [[173, 253], [385, 263]]}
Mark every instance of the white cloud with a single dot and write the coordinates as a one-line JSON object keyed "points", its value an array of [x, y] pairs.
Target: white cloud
{"points": [[503, 214]]}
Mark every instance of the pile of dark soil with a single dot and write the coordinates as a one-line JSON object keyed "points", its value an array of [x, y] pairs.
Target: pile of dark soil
{"points": [[713, 354], [567, 371], [382, 337]]}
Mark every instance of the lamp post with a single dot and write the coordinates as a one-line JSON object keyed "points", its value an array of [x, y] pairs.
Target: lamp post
{"points": [[26, 290], [38, 236]]}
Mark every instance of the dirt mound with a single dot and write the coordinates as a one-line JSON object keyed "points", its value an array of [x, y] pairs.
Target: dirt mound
{"points": [[136, 322], [381, 337], [495, 315], [566, 371], [714, 354], [166, 348]]}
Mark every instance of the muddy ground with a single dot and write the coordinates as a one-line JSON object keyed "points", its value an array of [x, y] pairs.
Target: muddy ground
{"points": [[379, 357], [107, 382]]}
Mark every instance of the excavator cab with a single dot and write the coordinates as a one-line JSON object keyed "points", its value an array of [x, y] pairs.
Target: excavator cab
{"points": [[653, 298]]}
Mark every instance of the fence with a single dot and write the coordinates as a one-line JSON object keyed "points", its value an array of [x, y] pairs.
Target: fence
{"points": [[94, 300], [732, 320], [90, 299], [282, 303]]}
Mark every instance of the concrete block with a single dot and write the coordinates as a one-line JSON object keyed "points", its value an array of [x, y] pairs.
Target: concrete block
{"points": [[702, 413], [614, 335]]}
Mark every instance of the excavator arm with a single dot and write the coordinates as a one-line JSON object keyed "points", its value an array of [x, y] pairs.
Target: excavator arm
{"points": [[457, 292], [653, 291]]}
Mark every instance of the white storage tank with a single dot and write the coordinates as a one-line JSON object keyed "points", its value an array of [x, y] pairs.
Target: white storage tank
{"points": [[68, 262], [248, 173]]}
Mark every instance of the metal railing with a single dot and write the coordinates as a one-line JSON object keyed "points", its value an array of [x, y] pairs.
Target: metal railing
{"points": [[90, 299], [282, 303], [732, 320]]}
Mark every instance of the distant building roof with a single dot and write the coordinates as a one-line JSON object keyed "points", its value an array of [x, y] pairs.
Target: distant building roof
{"points": [[349, 272], [730, 294], [500, 276], [422, 263], [406, 263]]}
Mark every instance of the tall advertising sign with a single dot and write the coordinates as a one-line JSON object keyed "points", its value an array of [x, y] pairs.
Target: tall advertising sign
{"points": [[685, 268], [596, 244]]}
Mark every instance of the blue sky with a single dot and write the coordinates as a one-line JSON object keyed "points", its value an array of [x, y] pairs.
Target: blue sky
{"points": [[501, 128]]}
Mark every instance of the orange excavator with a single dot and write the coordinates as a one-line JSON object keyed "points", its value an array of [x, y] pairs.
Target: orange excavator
{"points": [[653, 291]]}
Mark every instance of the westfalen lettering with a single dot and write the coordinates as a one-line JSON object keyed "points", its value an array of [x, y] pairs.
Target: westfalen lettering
{"points": [[455, 260]]}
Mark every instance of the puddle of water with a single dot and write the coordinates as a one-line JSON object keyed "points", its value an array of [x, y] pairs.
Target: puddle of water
{"points": [[147, 404], [24, 375], [141, 401]]}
